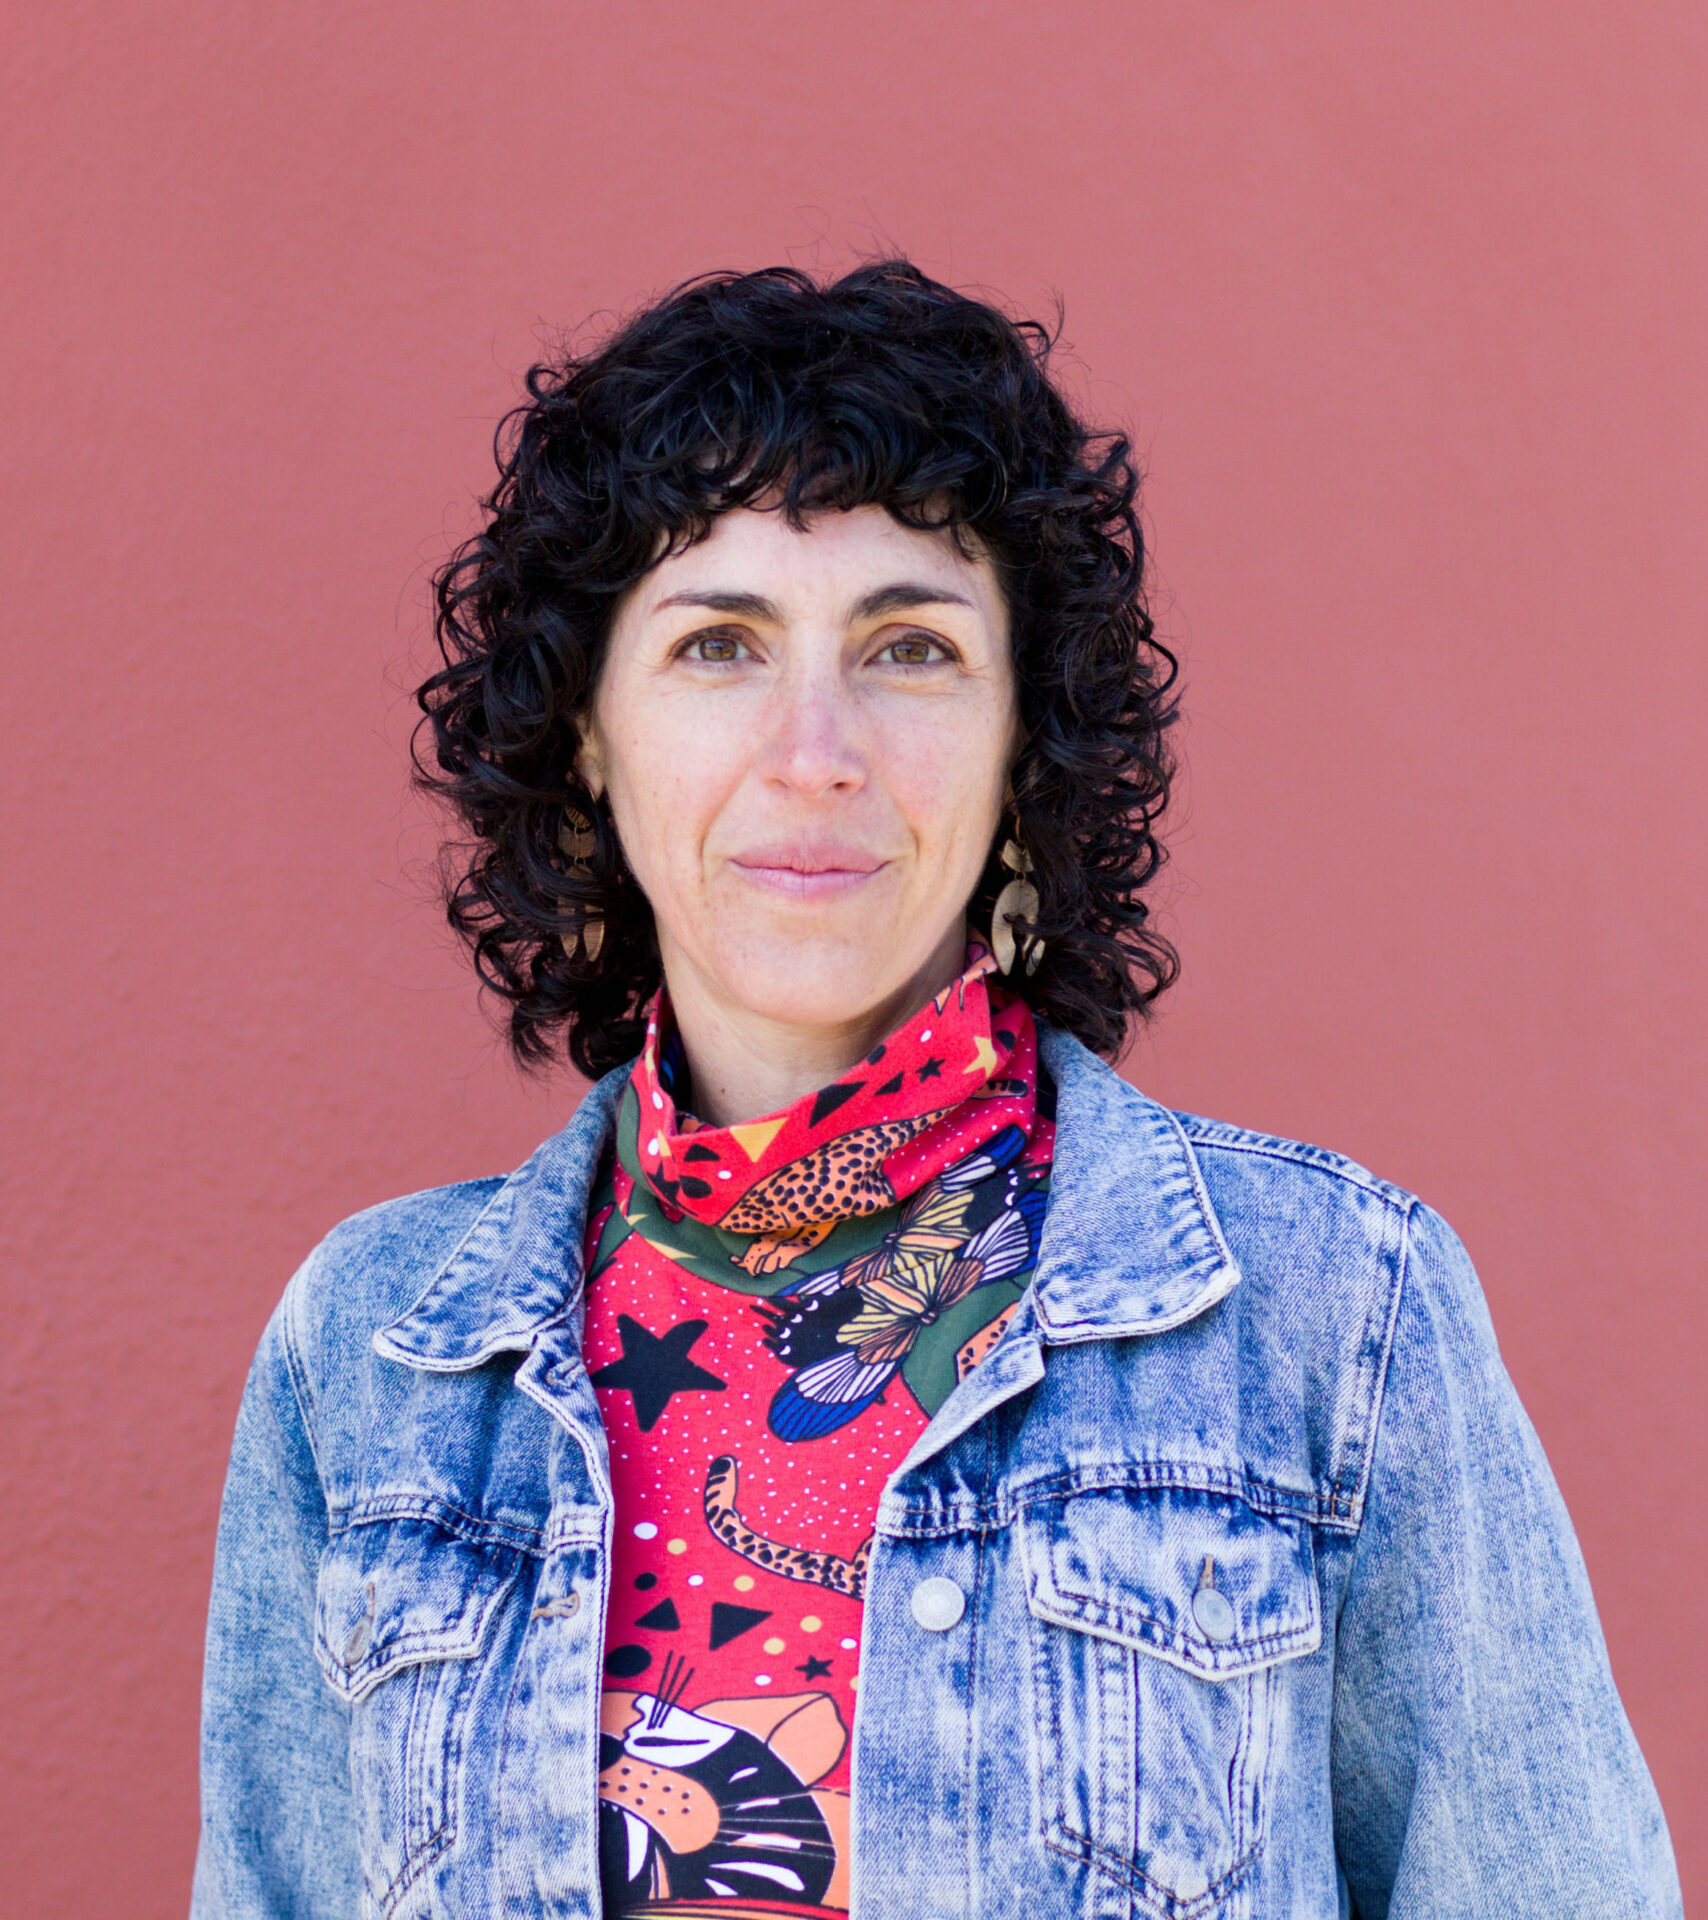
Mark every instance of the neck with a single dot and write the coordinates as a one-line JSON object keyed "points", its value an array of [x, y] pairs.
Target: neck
{"points": [[745, 1065]]}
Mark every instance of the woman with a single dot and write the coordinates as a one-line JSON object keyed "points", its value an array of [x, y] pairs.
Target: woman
{"points": [[1154, 1487]]}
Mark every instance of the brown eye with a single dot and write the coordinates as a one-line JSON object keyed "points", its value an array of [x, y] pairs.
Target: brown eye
{"points": [[914, 650], [717, 649]]}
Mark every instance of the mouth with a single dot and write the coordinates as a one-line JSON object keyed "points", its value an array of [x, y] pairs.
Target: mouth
{"points": [[817, 873]]}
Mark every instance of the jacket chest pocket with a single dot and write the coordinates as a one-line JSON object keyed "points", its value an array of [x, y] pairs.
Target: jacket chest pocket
{"points": [[402, 1607], [1158, 1620]]}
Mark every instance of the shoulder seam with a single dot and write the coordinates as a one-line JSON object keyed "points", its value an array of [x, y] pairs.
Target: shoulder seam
{"points": [[1379, 1398], [1211, 1135], [297, 1370], [489, 1182]]}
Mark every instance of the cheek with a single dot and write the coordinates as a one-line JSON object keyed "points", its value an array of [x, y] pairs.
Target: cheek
{"points": [[948, 781], [667, 784]]}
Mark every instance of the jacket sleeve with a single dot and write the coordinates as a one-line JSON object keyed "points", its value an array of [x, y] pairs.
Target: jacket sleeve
{"points": [[278, 1833], [1482, 1762]]}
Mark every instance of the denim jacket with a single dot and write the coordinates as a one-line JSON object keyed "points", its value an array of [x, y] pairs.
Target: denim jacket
{"points": [[1267, 1607]]}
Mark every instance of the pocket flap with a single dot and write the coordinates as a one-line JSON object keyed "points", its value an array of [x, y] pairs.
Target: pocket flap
{"points": [[395, 1593], [1200, 1580]]}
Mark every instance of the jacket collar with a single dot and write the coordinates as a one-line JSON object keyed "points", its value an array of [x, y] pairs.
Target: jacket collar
{"points": [[518, 1268], [1131, 1243]]}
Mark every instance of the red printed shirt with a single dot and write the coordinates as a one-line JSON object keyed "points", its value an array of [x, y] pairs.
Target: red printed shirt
{"points": [[774, 1312]]}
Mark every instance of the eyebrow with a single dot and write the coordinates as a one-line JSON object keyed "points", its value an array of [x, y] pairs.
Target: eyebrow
{"points": [[754, 606]]}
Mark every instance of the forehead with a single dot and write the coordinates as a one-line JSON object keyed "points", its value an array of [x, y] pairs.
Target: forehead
{"points": [[835, 558]]}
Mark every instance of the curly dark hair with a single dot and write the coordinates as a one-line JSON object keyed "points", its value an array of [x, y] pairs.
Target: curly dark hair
{"points": [[881, 388]]}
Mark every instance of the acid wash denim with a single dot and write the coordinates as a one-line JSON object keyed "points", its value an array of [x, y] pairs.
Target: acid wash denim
{"points": [[1244, 1368]]}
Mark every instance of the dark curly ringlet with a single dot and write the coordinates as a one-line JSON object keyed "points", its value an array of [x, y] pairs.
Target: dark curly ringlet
{"points": [[882, 388]]}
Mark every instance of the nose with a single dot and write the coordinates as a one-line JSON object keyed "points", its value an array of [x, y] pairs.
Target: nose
{"points": [[813, 745]]}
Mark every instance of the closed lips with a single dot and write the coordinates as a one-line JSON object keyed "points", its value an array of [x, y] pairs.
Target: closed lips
{"points": [[825, 870]]}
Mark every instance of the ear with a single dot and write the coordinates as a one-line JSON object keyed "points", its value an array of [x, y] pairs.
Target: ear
{"points": [[1011, 757], [590, 760]]}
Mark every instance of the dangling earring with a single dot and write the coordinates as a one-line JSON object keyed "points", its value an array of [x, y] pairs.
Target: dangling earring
{"points": [[578, 841], [1017, 901]]}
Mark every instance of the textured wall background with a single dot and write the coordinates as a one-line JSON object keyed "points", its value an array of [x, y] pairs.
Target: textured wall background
{"points": [[1406, 308]]}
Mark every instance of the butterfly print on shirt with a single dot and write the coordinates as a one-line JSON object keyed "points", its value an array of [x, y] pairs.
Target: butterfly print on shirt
{"points": [[846, 1332]]}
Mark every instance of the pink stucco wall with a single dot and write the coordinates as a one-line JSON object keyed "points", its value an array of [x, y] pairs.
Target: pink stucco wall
{"points": [[1406, 305]]}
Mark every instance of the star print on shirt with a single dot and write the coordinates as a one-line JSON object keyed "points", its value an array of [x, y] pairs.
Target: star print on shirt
{"points": [[655, 1367], [813, 1667], [931, 1070]]}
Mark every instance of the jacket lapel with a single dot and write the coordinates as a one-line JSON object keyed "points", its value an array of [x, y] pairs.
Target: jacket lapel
{"points": [[1131, 1242], [517, 1270]]}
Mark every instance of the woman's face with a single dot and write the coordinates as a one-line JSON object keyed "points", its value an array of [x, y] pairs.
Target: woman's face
{"points": [[804, 738]]}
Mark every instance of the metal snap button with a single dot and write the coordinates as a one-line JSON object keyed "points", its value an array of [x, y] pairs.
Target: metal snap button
{"points": [[356, 1640], [937, 1604], [1214, 1615]]}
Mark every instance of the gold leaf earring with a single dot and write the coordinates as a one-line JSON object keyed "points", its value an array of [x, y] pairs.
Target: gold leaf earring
{"points": [[578, 841], [1017, 901]]}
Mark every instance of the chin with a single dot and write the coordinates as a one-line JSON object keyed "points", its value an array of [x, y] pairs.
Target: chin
{"points": [[819, 983]]}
